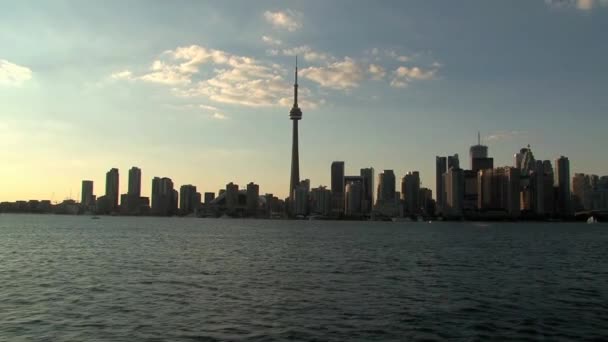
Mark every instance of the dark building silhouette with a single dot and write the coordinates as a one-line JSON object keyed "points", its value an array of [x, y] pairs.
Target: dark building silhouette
{"points": [[562, 184], [337, 187], [87, 197], [209, 197], [189, 199], [164, 197], [295, 115], [441, 165], [253, 199], [410, 189], [112, 194], [368, 189]]}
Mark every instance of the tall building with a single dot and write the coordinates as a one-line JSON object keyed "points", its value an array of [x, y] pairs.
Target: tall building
{"points": [[499, 191], [253, 194], [189, 199], [295, 115], [134, 182], [112, 189], [454, 192], [164, 197], [232, 197], [354, 198], [337, 187], [368, 189], [87, 197], [562, 183], [441, 165], [477, 152], [453, 162], [410, 189], [301, 199], [386, 187], [320, 201], [209, 196]]}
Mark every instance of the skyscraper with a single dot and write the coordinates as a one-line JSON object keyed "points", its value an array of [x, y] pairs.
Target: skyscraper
{"points": [[441, 165], [253, 194], [478, 151], [189, 202], [410, 189], [232, 197], [164, 197], [112, 189], [295, 115], [354, 198], [87, 198], [134, 182], [562, 183], [386, 187], [337, 187], [368, 188]]}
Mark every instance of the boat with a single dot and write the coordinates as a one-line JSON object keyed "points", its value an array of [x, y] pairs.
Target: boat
{"points": [[591, 220]]}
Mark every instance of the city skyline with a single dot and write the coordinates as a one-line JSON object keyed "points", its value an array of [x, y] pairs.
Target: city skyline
{"points": [[385, 100]]}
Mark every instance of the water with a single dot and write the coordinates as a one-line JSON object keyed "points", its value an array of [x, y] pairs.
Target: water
{"points": [[151, 279]]}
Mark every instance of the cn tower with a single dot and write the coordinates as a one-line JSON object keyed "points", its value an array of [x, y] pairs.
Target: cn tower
{"points": [[295, 114]]}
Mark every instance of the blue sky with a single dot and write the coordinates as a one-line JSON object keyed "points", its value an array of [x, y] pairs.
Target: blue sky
{"points": [[200, 91]]}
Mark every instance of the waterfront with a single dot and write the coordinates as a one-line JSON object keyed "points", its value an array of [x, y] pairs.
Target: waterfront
{"points": [[69, 278]]}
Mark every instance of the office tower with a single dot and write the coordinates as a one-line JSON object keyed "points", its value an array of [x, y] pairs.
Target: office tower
{"points": [[188, 199], [477, 153], [301, 199], [453, 162], [441, 166], [581, 189], [232, 197], [499, 191], [337, 187], [112, 189], [368, 189], [209, 197], [354, 198], [253, 195], [321, 201], [425, 196], [386, 187], [164, 197], [87, 198], [410, 188], [134, 182], [562, 183], [469, 203], [454, 192], [295, 115], [537, 190]]}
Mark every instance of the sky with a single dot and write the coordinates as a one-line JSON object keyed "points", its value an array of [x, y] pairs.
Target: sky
{"points": [[200, 91]]}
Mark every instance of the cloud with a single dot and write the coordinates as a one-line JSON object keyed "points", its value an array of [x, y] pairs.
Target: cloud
{"points": [[288, 19], [308, 53], [504, 135], [341, 75], [400, 58], [207, 107], [402, 76], [377, 72], [12, 74], [122, 75], [271, 41], [219, 116], [583, 5]]}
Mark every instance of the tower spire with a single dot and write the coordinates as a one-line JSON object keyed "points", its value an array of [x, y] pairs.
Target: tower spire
{"points": [[295, 86], [478, 138]]}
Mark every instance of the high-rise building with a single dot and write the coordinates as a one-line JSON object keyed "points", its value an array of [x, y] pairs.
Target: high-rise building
{"points": [[562, 183], [368, 189], [441, 165], [301, 199], [232, 197], [354, 198], [321, 201], [164, 197], [189, 199], [295, 115], [410, 188], [454, 192], [112, 178], [87, 197], [209, 196], [386, 187], [134, 182], [253, 195], [477, 152], [337, 187], [499, 191], [453, 162]]}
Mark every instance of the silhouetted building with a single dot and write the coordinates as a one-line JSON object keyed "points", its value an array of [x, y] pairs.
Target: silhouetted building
{"points": [[562, 183], [134, 182], [441, 165], [232, 198], [301, 199], [482, 164], [189, 199], [87, 197], [477, 153], [410, 188], [295, 115], [499, 191], [368, 189], [253, 195], [209, 196], [454, 192], [164, 197], [337, 187], [354, 198], [320, 201], [112, 178]]}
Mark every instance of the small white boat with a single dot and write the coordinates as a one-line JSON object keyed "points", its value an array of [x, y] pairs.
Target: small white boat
{"points": [[591, 220]]}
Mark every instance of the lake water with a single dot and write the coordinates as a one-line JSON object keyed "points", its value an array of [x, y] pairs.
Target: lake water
{"points": [[175, 279]]}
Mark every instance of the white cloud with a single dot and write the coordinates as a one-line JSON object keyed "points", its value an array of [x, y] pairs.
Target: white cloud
{"points": [[219, 116], [207, 107], [122, 75], [402, 76], [12, 74], [271, 41], [308, 53], [583, 5], [288, 19], [376, 71], [338, 75], [504, 135]]}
